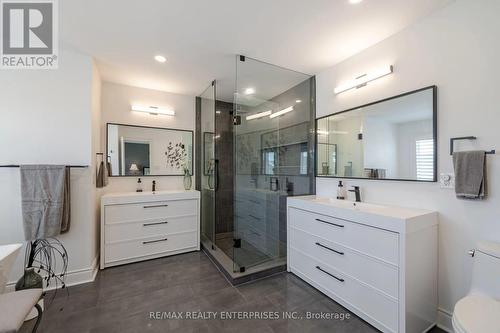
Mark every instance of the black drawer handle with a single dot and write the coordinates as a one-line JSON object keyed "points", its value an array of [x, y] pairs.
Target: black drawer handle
{"points": [[331, 223], [333, 276], [154, 223], [155, 241], [156, 206], [329, 248]]}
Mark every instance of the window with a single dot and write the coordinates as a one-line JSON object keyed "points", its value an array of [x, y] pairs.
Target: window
{"points": [[425, 159], [269, 162]]}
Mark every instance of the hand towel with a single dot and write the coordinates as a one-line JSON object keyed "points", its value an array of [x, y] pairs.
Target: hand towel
{"points": [[470, 174], [101, 172], [45, 195]]}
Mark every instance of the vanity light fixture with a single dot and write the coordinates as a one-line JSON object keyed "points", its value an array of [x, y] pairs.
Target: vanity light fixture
{"points": [[249, 91], [320, 132], [362, 80], [354, 2], [281, 112], [154, 110], [259, 115], [298, 101], [160, 58]]}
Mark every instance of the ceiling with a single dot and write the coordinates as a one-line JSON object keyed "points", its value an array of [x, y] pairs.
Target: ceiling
{"points": [[201, 38]]}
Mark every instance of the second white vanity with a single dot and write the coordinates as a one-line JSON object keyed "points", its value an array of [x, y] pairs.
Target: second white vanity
{"points": [[147, 225], [380, 262]]}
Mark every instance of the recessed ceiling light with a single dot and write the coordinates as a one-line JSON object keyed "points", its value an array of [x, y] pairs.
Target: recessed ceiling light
{"points": [[160, 58], [298, 101], [355, 1], [249, 91]]}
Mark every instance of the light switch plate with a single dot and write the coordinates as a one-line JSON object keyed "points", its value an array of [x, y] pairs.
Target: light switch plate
{"points": [[447, 180]]}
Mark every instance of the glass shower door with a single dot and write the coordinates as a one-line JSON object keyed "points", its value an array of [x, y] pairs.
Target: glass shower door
{"points": [[207, 170], [272, 158]]}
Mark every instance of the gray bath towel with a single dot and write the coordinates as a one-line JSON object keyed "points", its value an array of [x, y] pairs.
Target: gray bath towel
{"points": [[470, 174], [45, 194]]}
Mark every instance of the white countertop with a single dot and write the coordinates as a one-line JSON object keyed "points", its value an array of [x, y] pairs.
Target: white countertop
{"points": [[131, 197], [399, 219]]}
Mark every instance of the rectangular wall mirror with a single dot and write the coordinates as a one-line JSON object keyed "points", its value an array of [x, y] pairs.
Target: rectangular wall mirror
{"points": [[392, 139], [148, 151]]}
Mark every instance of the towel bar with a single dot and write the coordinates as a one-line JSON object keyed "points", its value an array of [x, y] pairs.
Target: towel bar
{"points": [[452, 141], [17, 166]]}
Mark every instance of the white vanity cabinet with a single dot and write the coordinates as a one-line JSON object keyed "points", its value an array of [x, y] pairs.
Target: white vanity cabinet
{"points": [[140, 226], [379, 262]]}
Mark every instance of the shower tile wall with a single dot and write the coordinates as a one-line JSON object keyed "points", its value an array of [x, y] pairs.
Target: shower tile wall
{"points": [[224, 153]]}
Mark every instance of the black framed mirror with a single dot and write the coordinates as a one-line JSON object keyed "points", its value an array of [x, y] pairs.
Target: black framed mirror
{"points": [[148, 151], [390, 139]]}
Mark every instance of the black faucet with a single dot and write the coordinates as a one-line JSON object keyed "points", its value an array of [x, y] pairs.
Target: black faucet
{"points": [[154, 186], [357, 193]]}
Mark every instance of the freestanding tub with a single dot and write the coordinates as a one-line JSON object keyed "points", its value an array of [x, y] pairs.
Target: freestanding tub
{"points": [[8, 254]]}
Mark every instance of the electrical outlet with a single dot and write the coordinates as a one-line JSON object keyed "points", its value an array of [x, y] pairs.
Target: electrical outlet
{"points": [[447, 180]]}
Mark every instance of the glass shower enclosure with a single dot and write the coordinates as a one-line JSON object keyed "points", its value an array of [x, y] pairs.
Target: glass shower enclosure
{"points": [[255, 147]]}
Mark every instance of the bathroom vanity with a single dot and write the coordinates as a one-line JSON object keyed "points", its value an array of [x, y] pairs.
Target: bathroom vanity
{"points": [[146, 225], [380, 262]]}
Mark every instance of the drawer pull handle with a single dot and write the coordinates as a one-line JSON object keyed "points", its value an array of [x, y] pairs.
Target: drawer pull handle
{"points": [[328, 248], [331, 223], [154, 223], [156, 206], [155, 241], [333, 276]]}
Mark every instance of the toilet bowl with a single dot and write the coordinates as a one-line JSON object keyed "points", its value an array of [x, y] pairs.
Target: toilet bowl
{"points": [[479, 312]]}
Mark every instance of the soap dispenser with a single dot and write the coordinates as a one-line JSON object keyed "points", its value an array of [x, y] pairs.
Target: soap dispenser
{"points": [[139, 185], [340, 191]]}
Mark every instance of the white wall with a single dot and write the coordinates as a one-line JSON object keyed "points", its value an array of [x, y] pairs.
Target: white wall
{"points": [[115, 104], [47, 118], [457, 49]]}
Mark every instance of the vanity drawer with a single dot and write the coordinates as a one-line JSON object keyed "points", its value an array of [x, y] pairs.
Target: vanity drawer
{"points": [[377, 274], [125, 231], [366, 300], [126, 250], [378, 243], [149, 210]]}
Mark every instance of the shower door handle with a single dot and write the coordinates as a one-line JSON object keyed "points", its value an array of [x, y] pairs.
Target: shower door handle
{"points": [[216, 186]]}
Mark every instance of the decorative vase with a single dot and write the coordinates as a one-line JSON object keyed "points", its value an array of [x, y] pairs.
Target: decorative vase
{"points": [[187, 181], [29, 280]]}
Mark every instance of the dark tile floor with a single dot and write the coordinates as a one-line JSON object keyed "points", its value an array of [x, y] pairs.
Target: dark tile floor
{"points": [[122, 298]]}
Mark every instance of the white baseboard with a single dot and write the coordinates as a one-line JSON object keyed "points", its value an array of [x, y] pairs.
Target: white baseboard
{"points": [[444, 320], [77, 276]]}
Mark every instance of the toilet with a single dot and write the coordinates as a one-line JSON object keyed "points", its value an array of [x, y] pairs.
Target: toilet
{"points": [[479, 312]]}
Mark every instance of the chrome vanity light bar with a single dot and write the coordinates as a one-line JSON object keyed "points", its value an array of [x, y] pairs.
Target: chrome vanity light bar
{"points": [[154, 110], [259, 115], [362, 80], [281, 112]]}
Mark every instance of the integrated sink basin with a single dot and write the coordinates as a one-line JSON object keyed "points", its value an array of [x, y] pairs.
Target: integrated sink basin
{"points": [[8, 255], [368, 213]]}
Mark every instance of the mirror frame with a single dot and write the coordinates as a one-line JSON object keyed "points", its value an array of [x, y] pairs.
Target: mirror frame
{"points": [[434, 132], [161, 128]]}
